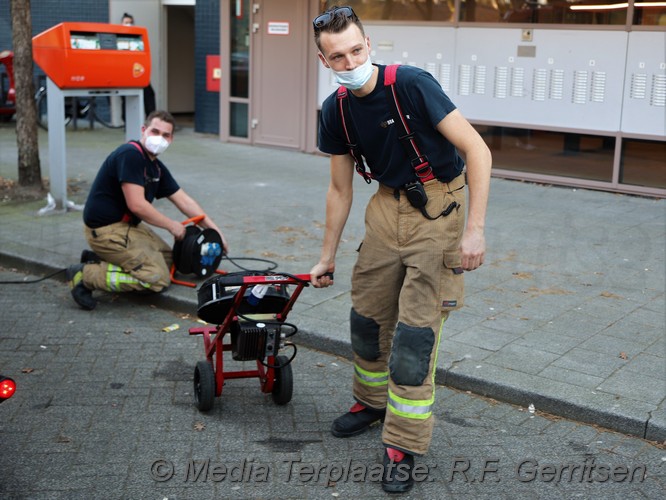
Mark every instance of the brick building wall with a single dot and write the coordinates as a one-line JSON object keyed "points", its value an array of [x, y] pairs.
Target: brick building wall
{"points": [[48, 13], [206, 42]]}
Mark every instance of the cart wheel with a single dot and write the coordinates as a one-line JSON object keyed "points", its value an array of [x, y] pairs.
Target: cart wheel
{"points": [[283, 387], [204, 385]]}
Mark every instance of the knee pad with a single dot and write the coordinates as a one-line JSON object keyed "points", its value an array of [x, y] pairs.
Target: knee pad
{"points": [[364, 336], [410, 354]]}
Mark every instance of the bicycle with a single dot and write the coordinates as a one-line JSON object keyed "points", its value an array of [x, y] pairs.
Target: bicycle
{"points": [[87, 108]]}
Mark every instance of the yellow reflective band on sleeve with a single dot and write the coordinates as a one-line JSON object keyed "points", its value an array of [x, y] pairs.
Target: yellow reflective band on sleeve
{"points": [[372, 379], [408, 408]]}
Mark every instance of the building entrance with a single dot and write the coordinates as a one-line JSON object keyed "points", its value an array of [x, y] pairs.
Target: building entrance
{"points": [[268, 44]]}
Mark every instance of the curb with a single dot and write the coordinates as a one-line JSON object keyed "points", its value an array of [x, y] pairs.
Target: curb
{"points": [[653, 428]]}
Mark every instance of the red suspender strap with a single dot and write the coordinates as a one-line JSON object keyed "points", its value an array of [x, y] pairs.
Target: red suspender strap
{"points": [[418, 160], [390, 73], [133, 143], [354, 151]]}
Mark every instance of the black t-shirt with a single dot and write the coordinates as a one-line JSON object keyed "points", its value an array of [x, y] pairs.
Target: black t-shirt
{"points": [[128, 163], [423, 102]]}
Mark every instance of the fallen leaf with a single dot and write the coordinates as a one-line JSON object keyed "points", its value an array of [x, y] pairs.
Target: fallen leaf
{"points": [[623, 355], [610, 295], [199, 426], [523, 276], [27, 370], [128, 331]]}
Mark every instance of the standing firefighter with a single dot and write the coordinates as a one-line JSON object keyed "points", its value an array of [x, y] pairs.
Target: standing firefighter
{"points": [[409, 271]]}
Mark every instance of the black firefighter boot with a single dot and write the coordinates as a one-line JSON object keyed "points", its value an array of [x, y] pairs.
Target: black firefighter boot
{"points": [[357, 420], [398, 467], [82, 295]]}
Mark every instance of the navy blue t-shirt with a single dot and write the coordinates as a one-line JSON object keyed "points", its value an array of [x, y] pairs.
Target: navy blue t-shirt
{"points": [[106, 202], [423, 102]]}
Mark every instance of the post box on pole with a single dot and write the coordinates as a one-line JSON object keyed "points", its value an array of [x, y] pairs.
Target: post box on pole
{"points": [[90, 59]]}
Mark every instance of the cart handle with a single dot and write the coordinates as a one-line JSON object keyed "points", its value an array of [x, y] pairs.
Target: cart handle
{"points": [[278, 279]]}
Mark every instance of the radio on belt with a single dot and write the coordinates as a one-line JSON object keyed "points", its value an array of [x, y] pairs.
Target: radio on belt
{"points": [[94, 55]]}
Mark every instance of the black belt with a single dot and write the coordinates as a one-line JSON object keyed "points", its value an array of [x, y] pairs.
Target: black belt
{"points": [[398, 190], [94, 233]]}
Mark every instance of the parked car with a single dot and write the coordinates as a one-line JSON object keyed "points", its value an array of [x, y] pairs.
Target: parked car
{"points": [[7, 86]]}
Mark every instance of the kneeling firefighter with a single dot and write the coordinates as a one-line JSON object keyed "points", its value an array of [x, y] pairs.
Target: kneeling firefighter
{"points": [[127, 255]]}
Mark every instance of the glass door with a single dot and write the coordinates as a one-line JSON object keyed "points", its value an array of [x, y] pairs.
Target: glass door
{"points": [[239, 85]]}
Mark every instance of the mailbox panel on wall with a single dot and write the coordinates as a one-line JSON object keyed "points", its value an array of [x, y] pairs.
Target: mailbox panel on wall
{"points": [[551, 78], [431, 49], [644, 106]]}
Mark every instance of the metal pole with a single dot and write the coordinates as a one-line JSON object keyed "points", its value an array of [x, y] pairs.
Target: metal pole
{"points": [[133, 114], [57, 148], [57, 162]]}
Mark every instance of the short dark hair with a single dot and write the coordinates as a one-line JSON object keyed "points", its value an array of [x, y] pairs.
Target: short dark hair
{"points": [[337, 24], [165, 116], [127, 16]]}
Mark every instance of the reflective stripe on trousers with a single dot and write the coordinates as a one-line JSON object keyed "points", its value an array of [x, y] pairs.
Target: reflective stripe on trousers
{"points": [[371, 379], [410, 408], [116, 278]]}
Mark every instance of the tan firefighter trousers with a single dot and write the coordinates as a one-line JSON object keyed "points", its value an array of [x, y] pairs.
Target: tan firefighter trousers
{"points": [[134, 258], [406, 279]]}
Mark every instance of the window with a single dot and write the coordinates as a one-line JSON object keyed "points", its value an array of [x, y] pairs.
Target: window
{"points": [[650, 13], [544, 11], [642, 163], [579, 156], [597, 12], [398, 10]]}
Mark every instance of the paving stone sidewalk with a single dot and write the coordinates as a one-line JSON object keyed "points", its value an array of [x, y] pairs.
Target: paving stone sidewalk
{"points": [[104, 409], [568, 312]]}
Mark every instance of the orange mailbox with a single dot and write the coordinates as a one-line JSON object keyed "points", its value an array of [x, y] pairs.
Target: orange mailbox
{"points": [[94, 55]]}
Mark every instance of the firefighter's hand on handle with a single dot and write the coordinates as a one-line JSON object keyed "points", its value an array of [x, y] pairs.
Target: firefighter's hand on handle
{"points": [[321, 275]]}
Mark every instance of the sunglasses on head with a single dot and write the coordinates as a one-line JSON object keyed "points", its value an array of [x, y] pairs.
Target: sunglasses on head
{"points": [[325, 19]]}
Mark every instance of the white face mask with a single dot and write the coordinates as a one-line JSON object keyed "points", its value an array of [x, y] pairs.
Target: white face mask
{"points": [[156, 144], [357, 77]]}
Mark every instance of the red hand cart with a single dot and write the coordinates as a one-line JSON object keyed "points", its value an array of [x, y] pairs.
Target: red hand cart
{"points": [[256, 332]]}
